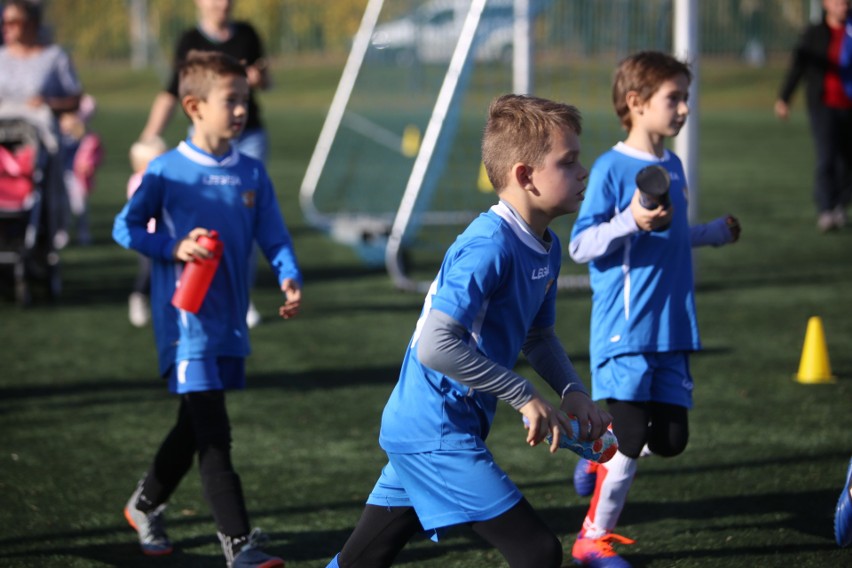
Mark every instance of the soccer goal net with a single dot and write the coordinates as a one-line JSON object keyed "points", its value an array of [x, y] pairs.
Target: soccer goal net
{"points": [[397, 171]]}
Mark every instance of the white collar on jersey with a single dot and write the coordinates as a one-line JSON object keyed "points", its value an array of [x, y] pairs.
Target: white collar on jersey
{"points": [[623, 148], [521, 228], [200, 157]]}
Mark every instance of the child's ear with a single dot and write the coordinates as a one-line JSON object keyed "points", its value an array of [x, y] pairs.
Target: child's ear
{"points": [[634, 102], [190, 106], [522, 175]]}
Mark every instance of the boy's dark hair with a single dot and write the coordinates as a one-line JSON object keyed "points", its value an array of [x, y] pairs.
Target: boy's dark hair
{"points": [[520, 129], [643, 73], [200, 68]]}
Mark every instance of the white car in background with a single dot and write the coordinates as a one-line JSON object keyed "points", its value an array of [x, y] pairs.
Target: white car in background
{"points": [[430, 33]]}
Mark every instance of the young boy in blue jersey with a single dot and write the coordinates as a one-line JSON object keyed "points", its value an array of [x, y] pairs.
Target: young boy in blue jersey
{"points": [[493, 297], [203, 185], [643, 323]]}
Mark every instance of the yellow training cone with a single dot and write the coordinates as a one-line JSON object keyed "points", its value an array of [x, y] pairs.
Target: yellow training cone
{"points": [[410, 141], [483, 184], [814, 367]]}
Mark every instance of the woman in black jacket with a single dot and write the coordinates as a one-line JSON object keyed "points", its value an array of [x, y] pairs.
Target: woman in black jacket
{"points": [[816, 58]]}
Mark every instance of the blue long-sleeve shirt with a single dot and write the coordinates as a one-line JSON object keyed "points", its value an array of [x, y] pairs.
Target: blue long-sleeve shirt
{"points": [[187, 188]]}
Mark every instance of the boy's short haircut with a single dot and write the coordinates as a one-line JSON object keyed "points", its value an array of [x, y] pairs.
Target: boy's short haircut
{"points": [[200, 69], [643, 73], [520, 129]]}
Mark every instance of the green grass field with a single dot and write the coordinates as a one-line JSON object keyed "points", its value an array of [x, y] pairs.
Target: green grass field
{"points": [[81, 408]]}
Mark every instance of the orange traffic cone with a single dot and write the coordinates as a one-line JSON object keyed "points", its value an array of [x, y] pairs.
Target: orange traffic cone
{"points": [[814, 367]]}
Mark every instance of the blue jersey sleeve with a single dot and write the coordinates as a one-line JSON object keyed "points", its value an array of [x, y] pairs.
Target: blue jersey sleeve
{"points": [[272, 235], [468, 280], [130, 228]]}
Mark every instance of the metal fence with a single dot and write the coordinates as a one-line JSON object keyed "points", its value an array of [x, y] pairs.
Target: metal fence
{"points": [[143, 32]]}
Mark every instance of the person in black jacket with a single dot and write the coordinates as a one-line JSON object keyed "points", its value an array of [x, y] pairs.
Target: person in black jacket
{"points": [[816, 58]]}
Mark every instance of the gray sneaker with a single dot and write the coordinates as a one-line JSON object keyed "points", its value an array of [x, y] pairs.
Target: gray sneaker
{"points": [[149, 526], [244, 552]]}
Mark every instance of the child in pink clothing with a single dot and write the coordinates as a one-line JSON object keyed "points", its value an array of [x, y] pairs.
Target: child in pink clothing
{"points": [[84, 153]]}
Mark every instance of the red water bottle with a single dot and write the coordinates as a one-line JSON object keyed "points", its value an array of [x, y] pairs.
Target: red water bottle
{"points": [[197, 275]]}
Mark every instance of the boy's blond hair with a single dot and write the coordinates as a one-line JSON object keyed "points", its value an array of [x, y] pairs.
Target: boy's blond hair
{"points": [[520, 129], [643, 73], [198, 72], [143, 151]]}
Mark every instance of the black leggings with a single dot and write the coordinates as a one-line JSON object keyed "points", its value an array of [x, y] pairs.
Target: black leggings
{"points": [[664, 427], [202, 427], [519, 534]]}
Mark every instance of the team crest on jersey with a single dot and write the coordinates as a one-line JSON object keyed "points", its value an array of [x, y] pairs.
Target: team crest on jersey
{"points": [[248, 198]]}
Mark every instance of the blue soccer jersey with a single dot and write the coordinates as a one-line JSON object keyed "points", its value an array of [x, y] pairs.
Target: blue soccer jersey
{"points": [[497, 280], [642, 287], [187, 188]]}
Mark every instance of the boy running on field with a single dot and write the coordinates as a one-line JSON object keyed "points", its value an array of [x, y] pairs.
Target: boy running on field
{"points": [[493, 297]]}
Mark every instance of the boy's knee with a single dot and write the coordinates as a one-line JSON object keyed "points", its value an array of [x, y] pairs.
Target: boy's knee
{"points": [[669, 446]]}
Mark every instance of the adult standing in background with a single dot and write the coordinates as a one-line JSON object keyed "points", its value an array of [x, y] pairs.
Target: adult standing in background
{"points": [[34, 72], [217, 31], [38, 80], [816, 57]]}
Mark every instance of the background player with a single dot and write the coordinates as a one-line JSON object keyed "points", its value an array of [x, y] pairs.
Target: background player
{"points": [[643, 309]]}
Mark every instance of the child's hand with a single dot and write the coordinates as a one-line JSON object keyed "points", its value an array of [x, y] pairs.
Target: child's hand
{"points": [[544, 420], [734, 226], [649, 219], [188, 248], [596, 420], [293, 301]]}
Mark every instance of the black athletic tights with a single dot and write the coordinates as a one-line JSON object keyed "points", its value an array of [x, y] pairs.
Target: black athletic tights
{"points": [[202, 426], [664, 427], [519, 534]]}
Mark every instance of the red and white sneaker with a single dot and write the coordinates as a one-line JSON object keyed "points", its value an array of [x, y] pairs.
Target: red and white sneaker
{"points": [[598, 552]]}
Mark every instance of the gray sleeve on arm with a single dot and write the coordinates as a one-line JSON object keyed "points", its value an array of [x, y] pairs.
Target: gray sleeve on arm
{"points": [[598, 240], [441, 346], [546, 355]]}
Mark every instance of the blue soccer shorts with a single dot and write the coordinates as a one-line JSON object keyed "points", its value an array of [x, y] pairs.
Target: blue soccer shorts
{"points": [[446, 487], [645, 377], [214, 373]]}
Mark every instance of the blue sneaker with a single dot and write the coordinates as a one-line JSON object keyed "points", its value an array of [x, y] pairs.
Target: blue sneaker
{"points": [[585, 477], [843, 513], [245, 552]]}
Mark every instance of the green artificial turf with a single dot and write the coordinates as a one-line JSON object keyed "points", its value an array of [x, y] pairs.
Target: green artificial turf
{"points": [[82, 411]]}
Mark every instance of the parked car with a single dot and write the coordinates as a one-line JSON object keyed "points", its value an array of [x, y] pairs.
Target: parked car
{"points": [[429, 34]]}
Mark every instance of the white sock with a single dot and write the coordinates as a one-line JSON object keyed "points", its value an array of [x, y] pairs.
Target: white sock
{"points": [[610, 496]]}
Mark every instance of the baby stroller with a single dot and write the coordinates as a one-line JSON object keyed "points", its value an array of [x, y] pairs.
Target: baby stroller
{"points": [[30, 187]]}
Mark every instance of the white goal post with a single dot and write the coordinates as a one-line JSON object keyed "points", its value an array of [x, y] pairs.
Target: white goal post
{"points": [[383, 216]]}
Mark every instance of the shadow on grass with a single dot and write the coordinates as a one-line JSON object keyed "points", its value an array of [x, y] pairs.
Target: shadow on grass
{"points": [[106, 390], [732, 515]]}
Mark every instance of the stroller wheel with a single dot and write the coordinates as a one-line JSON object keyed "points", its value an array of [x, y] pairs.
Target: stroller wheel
{"points": [[22, 292]]}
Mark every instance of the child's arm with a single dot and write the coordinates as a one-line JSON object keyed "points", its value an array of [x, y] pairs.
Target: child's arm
{"points": [[274, 239], [545, 353], [605, 236], [130, 228], [716, 233], [441, 346]]}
